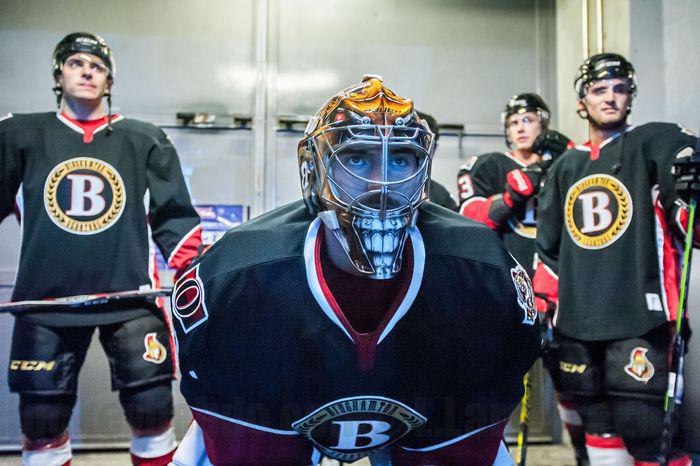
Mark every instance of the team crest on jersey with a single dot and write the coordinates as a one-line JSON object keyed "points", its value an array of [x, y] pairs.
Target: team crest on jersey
{"points": [[526, 297], [351, 428], [527, 226], [639, 367], [598, 210], [155, 351], [84, 195], [188, 303]]}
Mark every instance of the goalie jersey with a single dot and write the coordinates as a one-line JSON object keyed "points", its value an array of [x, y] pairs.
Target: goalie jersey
{"points": [[275, 374], [89, 208], [605, 241]]}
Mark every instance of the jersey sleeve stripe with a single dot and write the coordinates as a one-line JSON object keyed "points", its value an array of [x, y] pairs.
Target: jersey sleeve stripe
{"points": [[182, 248]]}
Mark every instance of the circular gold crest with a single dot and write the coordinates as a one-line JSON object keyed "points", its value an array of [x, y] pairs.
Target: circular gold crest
{"points": [[598, 210], [84, 195]]}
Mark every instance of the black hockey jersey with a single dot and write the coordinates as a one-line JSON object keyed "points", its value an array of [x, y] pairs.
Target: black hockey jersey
{"points": [[485, 176], [88, 210], [275, 374], [604, 235]]}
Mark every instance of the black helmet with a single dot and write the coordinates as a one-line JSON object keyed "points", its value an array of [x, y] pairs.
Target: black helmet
{"points": [[526, 102], [82, 42], [603, 66], [521, 103]]}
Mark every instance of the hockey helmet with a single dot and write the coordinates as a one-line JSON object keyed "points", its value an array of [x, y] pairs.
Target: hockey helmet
{"points": [[604, 66], [365, 165], [82, 42], [521, 103]]}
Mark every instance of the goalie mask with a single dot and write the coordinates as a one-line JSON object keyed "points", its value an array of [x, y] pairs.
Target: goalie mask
{"points": [[365, 166]]}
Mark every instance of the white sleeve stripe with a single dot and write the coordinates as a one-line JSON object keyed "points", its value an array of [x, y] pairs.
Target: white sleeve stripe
{"points": [[244, 424], [454, 440], [183, 241]]}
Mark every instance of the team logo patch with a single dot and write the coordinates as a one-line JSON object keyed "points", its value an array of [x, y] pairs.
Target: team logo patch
{"points": [[155, 351], [526, 297], [188, 301], [84, 196], [527, 226], [350, 428], [639, 367], [598, 210]]}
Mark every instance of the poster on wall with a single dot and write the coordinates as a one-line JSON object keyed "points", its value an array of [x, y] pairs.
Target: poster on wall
{"points": [[216, 219]]}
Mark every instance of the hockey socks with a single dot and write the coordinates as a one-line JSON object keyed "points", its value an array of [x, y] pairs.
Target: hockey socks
{"points": [[607, 450], [574, 425], [47, 452], [153, 450]]}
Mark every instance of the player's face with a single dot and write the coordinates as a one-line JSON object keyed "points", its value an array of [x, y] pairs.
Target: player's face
{"points": [[359, 170], [522, 129], [607, 101], [84, 77]]}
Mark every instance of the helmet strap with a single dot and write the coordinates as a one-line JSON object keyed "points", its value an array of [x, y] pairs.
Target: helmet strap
{"points": [[109, 114]]}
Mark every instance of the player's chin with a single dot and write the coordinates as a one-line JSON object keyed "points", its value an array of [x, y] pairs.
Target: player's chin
{"points": [[611, 120], [525, 145]]}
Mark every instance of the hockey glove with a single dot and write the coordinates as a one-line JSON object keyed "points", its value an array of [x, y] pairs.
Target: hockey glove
{"points": [[686, 171], [550, 145], [521, 185]]}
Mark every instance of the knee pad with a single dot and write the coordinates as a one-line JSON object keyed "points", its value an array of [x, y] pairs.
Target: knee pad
{"points": [[595, 414], [147, 407], [640, 422], [45, 416]]}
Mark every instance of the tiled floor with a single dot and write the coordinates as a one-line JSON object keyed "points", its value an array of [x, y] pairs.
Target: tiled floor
{"points": [[538, 455]]}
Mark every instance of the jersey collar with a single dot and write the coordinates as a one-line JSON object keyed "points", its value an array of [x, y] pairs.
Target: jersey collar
{"points": [[312, 275], [78, 129], [515, 159]]}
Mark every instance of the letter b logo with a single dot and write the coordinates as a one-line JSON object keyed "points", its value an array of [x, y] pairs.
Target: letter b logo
{"points": [[354, 435]]}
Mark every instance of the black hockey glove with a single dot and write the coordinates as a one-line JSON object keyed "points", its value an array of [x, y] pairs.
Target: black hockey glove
{"points": [[686, 171], [550, 145], [521, 185]]}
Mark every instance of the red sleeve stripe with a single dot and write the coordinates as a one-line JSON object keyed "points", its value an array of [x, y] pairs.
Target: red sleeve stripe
{"points": [[187, 249], [669, 258], [477, 208], [546, 282]]}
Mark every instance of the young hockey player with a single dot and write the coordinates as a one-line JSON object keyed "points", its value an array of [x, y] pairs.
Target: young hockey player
{"points": [[362, 322], [500, 189], [610, 266], [91, 189]]}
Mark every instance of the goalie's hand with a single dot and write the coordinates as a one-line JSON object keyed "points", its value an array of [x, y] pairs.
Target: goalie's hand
{"points": [[550, 145], [686, 171]]}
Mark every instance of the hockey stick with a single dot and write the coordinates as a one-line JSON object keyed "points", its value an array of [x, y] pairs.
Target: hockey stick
{"points": [[67, 302], [675, 376], [521, 448]]}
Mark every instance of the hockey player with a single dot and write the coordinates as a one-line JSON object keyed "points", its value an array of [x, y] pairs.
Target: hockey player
{"points": [[362, 322], [610, 266], [500, 189], [91, 190]]}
